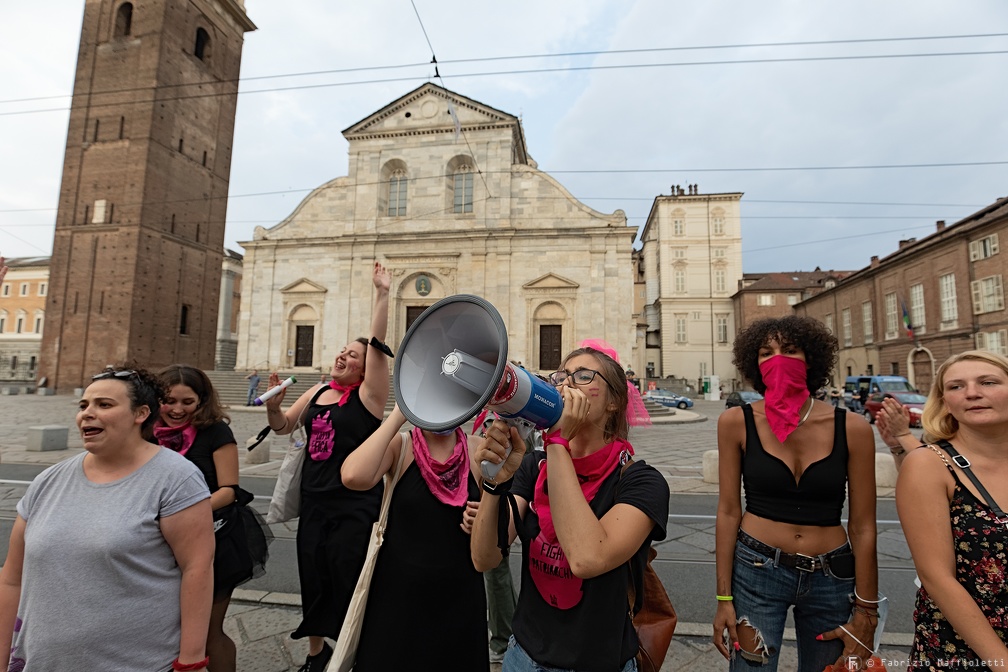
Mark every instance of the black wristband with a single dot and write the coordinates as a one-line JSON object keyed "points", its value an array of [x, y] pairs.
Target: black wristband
{"points": [[375, 343], [497, 488]]}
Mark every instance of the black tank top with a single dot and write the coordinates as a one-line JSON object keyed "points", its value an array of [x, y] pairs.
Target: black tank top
{"points": [[771, 492]]}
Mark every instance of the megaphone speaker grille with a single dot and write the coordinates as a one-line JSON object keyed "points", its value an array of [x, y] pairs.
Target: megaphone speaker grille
{"points": [[468, 332]]}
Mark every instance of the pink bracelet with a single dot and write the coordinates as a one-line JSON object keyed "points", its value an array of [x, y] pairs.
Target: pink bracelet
{"points": [[556, 438]]}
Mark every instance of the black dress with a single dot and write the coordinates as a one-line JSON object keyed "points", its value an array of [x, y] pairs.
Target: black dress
{"points": [[426, 609]]}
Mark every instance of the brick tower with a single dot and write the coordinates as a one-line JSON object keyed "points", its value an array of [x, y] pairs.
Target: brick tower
{"points": [[136, 260]]}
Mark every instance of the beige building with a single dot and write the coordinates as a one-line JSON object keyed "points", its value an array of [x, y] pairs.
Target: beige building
{"points": [[441, 189], [951, 285], [692, 264], [22, 317]]}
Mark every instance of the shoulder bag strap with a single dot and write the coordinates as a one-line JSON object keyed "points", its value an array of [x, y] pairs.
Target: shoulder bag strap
{"points": [[635, 599], [390, 481], [963, 463]]}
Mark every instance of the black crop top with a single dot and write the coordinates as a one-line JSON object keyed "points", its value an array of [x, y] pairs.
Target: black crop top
{"points": [[817, 498]]}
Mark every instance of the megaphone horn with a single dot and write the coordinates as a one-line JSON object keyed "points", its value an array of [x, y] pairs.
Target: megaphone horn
{"points": [[453, 362]]}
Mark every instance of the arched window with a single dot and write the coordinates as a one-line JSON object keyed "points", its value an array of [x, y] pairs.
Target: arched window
{"points": [[124, 20], [202, 48], [397, 194], [463, 189]]}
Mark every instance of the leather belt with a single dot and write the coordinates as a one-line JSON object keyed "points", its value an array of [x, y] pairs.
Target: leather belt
{"points": [[799, 561]]}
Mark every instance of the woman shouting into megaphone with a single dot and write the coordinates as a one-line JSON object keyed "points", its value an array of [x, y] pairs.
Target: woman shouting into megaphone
{"points": [[580, 516]]}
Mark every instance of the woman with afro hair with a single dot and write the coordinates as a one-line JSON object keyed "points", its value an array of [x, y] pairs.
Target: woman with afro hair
{"points": [[797, 459]]}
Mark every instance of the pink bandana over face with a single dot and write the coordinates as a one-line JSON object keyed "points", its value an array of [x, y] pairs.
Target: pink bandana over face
{"points": [[344, 389], [786, 391], [179, 439], [448, 480], [548, 566]]}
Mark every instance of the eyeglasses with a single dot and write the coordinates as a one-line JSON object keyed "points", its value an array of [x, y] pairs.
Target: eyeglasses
{"points": [[580, 377], [122, 375]]}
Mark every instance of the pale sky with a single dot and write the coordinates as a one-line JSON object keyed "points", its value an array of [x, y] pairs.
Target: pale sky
{"points": [[836, 153]]}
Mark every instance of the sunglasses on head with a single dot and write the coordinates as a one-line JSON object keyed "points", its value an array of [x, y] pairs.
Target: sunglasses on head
{"points": [[123, 374]]}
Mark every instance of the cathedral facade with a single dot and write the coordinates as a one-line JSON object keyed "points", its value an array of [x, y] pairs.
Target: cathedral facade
{"points": [[441, 189]]}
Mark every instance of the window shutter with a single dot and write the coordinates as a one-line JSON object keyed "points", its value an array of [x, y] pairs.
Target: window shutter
{"points": [[1003, 341], [977, 291], [981, 340], [974, 248], [998, 293], [994, 243]]}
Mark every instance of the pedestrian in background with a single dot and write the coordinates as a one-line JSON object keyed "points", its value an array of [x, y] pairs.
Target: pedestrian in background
{"points": [[109, 565], [253, 387]]}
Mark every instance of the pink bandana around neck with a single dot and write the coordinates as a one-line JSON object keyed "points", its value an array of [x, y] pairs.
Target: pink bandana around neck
{"points": [[448, 480], [786, 391], [179, 439], [345, 390], [548, 565]]}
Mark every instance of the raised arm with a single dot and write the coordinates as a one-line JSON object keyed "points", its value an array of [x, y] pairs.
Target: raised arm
{"points": [[730, 438], [280, 421], [375, 389], [923, 491], [893, 422], [374, 458]]}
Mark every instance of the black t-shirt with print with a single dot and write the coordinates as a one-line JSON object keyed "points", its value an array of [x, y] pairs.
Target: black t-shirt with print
{"points": [[596, 634]]}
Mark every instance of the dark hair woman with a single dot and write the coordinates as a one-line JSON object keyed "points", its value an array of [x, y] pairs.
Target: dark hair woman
{"points": [[335, 521], [797, 459], [193, 424], [109, 565]]}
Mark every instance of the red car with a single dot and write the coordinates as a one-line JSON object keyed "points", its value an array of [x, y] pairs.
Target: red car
{"points": [[912, 401]]}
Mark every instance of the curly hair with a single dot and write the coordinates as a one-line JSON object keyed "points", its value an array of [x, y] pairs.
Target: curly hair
{"points": [[809, 334], [612, 373], [938, 423], [209, 409], [143, 389]]}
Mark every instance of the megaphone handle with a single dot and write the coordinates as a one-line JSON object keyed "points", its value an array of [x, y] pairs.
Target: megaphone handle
{"points": [[490, 470]]}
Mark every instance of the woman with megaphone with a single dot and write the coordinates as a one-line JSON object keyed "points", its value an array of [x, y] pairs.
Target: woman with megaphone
{"points": [[580, 516], [335, 522]]}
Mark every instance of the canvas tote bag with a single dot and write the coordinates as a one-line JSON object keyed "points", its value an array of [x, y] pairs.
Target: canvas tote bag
{"points": [[345, 651], [286, 501]]}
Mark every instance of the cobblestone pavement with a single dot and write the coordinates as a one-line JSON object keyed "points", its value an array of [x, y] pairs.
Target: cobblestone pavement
{"points": [[261, 622]]}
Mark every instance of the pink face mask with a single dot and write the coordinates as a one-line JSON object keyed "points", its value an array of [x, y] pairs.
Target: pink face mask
{"points": [[786, 391]]}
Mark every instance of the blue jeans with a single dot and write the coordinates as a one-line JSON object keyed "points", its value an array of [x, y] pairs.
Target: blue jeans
{"points": [[517, 660], [763, 593]]}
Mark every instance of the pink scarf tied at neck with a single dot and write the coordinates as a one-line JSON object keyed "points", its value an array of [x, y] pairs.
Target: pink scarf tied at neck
{"points": [[345, 390], [448, 480], [786, 392], [179, 439]]}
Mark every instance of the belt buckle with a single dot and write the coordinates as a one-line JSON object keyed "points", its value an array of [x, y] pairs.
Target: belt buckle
{"points": [[805, 563]]}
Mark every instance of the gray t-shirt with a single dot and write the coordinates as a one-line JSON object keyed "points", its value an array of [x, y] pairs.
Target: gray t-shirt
{"points": [[100, 585]]}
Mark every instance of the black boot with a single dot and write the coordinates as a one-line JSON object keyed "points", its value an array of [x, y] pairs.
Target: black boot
{"points": [[319, 661]]}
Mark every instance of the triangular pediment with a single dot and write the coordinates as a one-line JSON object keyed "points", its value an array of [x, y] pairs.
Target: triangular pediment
{"points": [[426, 110], [303, 286], [551, 281]]}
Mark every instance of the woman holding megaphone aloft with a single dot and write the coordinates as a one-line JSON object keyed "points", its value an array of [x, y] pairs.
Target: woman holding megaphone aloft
{"points": [[335, 521], [580, 516]]}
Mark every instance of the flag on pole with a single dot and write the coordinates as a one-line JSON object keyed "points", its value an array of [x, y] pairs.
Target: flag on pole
{"points": [[906, 320], [455, 120]]}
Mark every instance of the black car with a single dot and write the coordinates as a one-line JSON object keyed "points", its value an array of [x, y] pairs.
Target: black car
{"points": [[741, 398]]}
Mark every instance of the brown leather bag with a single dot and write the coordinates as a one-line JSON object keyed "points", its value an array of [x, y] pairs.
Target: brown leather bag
{"points": [[655, 621], [653, 616]]}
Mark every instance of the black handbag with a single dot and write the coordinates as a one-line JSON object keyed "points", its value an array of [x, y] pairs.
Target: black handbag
{"points": [[241, 542]]}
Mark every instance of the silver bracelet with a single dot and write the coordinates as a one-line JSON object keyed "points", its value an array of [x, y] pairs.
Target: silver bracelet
{"points": [[858, 597]]}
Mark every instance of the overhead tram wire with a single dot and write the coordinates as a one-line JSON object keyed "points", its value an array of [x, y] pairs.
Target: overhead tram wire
{"points": [[570, 54], [526, 71], [455, 118]]}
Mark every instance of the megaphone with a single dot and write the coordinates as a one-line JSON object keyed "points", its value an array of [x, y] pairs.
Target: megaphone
{"points": [[453, 363]]}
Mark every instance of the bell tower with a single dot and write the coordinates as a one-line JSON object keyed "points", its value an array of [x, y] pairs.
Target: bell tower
{"points": [[139, 239]]}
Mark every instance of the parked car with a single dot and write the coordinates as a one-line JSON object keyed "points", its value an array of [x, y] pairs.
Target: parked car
{"points": [[741, 398], [668, 398], [912, 401]]}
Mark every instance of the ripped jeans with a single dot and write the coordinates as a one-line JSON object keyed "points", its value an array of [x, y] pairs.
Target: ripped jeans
{"points": [[763, 593]]}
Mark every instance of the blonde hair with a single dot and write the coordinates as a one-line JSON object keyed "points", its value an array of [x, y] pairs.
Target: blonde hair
{"points": [[937, 421]]}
